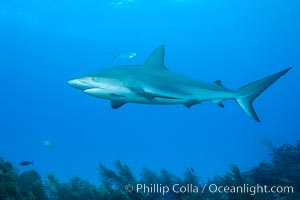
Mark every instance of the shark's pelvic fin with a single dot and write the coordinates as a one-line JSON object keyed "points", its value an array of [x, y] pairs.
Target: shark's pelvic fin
{"points": [[247, 94], [156, 59], [190, 103], [116, 104]]}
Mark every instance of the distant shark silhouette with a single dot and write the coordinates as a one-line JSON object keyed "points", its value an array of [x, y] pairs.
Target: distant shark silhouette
{"points": [[153, 83]]}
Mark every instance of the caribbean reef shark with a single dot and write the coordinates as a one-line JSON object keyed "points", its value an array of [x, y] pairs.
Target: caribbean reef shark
{"points": [[154, 83]]}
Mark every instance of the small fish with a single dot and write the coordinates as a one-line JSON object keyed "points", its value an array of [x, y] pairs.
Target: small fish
{"points": [[122, 2], [124, 55], [266, 142], [192, 170], [26, 163], [285, 180], [48, 144]]}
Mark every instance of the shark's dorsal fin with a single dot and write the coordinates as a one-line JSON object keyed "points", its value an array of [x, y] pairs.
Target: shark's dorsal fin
{"points": [[156, 59]]}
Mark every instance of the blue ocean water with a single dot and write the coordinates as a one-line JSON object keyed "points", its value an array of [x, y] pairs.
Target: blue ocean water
{"points": [[43, 44]]}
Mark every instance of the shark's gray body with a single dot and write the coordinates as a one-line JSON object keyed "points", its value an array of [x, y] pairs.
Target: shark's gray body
{"points": [[153, 83]]}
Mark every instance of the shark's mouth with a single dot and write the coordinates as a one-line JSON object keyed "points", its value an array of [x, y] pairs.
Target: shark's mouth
{"points": [[101, 92]]}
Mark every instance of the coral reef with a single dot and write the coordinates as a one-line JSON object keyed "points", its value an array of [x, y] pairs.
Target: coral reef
{"points": [[30, 185], [282, 170], [8, 181]]}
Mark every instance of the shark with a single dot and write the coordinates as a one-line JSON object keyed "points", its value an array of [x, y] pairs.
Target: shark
{"points": [[153, 83]]}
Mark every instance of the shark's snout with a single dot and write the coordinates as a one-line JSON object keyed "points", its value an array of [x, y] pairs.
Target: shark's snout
{"points": [[74, 82], [79, 83]]}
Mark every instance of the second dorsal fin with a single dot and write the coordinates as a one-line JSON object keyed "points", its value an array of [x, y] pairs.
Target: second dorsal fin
{"points": [[219, 83]]}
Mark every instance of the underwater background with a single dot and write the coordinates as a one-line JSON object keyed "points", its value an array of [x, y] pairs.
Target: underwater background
{"points": [[43, 44]]}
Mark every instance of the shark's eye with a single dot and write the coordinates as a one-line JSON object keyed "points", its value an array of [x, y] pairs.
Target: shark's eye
{"points": [[95, 79]]}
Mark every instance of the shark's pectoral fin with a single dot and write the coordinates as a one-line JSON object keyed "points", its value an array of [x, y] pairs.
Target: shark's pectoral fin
{"points": [[218, 102], [150, 96], [190, 103], [187, 105], [116, 104]]}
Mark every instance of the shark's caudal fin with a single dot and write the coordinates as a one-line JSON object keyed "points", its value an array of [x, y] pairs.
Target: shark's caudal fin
{"points": [[247, 94]]}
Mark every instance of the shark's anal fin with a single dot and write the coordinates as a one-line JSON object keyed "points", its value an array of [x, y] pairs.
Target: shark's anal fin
{"points": [[116, 104], [219, 103]]}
